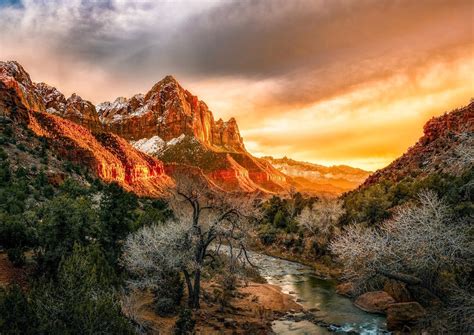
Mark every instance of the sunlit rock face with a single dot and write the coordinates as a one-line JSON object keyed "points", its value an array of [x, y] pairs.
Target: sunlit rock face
{"points": [[73, 108], [169, 111], [445, 147], [230, 171], [110, 156], [16, 82], [44, 110]]}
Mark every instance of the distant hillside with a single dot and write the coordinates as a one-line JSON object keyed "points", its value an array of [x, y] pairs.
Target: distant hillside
{"points": [[315, 178]]}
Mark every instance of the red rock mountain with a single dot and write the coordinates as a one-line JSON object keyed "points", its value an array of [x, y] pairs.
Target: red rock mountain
{"points": [[109, 156], [447, 146], [168, 117], [169, 111], [175, 126]]}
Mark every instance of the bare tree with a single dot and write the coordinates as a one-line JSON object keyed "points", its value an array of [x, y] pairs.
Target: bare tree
{"points": [[464, 151], [203, 218], [321, 218], [419, 243]]}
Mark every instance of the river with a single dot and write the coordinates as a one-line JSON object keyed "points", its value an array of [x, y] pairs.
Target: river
{"points": [[312, 292]]}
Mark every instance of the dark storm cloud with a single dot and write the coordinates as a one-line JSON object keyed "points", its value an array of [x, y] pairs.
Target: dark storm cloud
{"points": [[320, 47]]}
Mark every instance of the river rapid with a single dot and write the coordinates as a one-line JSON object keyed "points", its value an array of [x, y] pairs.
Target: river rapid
{"points": [[337, 313]]}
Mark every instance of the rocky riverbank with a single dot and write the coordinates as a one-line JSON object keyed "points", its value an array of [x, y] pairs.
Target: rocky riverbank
{"points": [[249, 309]]}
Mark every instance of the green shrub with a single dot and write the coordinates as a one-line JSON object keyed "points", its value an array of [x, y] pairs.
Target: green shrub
{"points": [[373, 205], [168, 296], [185, 323], [65, 222], [7, 131], [21, 146], [82, 299], [280, 220], [267, 235], [17, 316], [16, 256], [165, 306]]}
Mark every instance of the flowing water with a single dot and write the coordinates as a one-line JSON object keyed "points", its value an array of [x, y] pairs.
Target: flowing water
{"points": [[313, 292]]}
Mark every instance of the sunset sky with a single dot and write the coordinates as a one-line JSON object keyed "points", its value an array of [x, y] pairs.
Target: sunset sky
{"points": [[330, 82]]}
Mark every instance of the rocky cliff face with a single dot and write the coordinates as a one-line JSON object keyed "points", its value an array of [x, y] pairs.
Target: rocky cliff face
{"points": [[169, 111], [73, 108], [447, 146], [109, 156], [230, 171], [17, 86]]}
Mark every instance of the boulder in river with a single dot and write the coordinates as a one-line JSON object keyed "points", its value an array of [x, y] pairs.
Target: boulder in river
{"points": [[374, 302], [398, 290], [345, 289], [404, 314]]}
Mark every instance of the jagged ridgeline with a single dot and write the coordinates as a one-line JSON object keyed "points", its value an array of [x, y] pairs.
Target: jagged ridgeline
{"points": [[167, 124]]}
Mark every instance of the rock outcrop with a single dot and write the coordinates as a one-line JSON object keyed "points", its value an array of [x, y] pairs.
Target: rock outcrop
{"points": [[374, 302], [73, 108], [346, 289], [398, 290], [111, 157], [17, 82], [403, 316], [76, 139], [446, 147]]}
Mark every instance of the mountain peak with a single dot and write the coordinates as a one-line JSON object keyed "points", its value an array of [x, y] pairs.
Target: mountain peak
{"points": [[167, 110], [169, 78], [15, 70]]}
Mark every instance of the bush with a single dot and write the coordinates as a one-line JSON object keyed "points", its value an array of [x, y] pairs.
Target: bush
{"points": [[117, 214], [185, 323], [165, 306], [16, 256], [15, 237], [82, 297], [16, 314], [372, 205], [169, 294], [291, 227], [422, 241], [65, 222], [267, 235], [21, 147]]}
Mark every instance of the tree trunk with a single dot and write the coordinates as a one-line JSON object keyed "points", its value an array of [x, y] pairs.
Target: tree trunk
{"points": [[190, 289], [197, 289]]}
